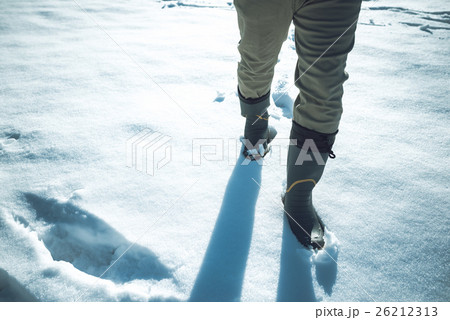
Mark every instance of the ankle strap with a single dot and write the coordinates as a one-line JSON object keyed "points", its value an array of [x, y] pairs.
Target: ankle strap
{"points": [[323, 141]]}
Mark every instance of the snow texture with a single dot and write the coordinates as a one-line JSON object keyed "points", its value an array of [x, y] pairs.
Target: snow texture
{"points": [[79, 79]]}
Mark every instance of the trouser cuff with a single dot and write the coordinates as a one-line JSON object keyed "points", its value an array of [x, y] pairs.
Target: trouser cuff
{"points": [[253, 107]]}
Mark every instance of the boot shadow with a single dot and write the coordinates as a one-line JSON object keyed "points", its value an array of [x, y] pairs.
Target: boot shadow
{"points": [[326, 263], [222, 272], [295, 282]]}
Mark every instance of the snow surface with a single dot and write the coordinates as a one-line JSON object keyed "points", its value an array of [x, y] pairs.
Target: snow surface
{"points": [[80, 78]]}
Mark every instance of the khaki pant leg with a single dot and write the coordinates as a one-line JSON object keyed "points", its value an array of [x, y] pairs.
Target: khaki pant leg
{"points": [[323, 27], [263, 25]]}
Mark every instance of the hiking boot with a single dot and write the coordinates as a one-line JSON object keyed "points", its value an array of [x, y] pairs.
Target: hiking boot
{"points": [[308, 153], [257, 133]]}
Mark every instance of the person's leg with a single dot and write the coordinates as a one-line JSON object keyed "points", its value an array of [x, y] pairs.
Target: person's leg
{"points": [[263, 26], [325, 32], [324, 35]]}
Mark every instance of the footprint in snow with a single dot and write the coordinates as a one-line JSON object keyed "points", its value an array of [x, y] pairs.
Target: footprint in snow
{"points": [[90, 244], [282, 99], [426, 28], [220, 97], [196, 4], [439, 19], [9, 137]]}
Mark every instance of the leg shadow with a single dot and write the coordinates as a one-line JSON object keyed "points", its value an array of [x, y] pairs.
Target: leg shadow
{"points": [[222, 271], [12, 290], [295, 282]]}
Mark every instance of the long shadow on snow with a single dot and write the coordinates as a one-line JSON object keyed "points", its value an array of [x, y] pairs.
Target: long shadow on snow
{"points": [[12, 290], [222, 271], [91, 245], [295, 282]]}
